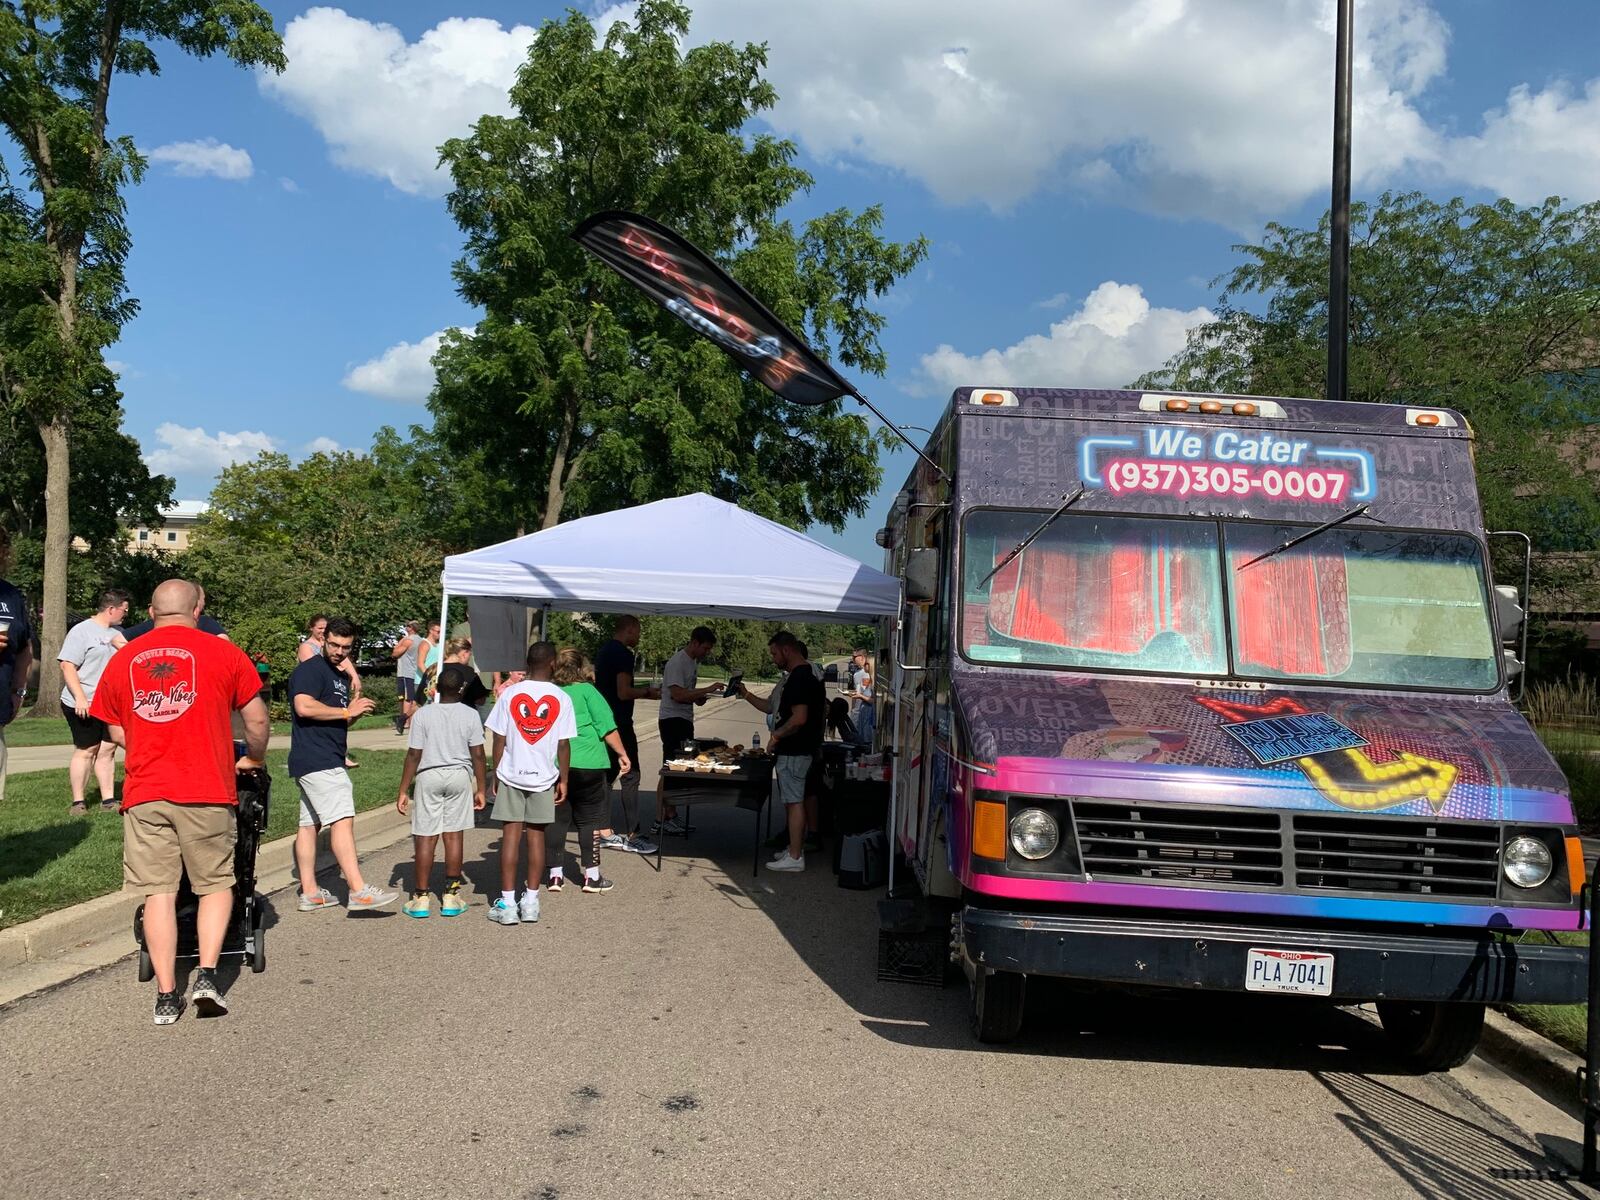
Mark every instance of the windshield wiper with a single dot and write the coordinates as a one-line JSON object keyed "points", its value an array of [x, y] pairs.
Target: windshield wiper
{"points": [[1358, 511], [1067, 503]]}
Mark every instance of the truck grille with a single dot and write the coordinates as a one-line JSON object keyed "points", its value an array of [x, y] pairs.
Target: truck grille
{"points": [[1301, 852], [1396, 855], [1178, 844]]}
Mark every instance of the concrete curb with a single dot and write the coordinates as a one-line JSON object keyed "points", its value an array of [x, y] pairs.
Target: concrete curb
{"points": [[1548, 1068], [73, 941]]}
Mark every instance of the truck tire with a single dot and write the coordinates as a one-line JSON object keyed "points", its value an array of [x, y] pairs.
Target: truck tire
{"points": [[1431, 1035], [997, 1002]]}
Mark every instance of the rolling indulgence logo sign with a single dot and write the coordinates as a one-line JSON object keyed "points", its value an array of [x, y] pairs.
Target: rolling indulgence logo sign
{"points": [[682, 279], [1331, 755]]}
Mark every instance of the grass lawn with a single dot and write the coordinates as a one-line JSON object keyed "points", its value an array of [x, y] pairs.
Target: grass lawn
{"points": [[50, 859], [52, 731], [1565, 1024]]}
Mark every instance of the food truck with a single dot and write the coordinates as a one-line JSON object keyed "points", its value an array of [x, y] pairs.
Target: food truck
{"points": [[1210, 692]]}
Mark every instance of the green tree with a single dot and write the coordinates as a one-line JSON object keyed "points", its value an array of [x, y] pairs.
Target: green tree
{"points": [[332, 534], [1493, 309], [576, 391], [64, 237]]}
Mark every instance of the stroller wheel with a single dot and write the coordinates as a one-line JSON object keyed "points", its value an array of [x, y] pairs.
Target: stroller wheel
{"points": [[258, 959], [147, 970]]}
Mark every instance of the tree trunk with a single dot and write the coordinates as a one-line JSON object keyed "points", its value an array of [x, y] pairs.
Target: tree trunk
{"points": [[57, 545], [555, 492]]}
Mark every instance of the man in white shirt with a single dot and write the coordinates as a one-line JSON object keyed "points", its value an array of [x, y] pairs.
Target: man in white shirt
{"points": [[675, 717], [85, 651], [531, 724]]}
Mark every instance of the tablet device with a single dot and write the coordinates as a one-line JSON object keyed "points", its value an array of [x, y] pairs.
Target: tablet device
{"points": [[735, 682]]}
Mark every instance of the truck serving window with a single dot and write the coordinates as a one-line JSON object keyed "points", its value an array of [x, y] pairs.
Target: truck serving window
{"points": [[1121, 593], [1361, 606]]}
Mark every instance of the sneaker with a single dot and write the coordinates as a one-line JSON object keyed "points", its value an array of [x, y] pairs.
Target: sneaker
{"points": [[169, 1007], [78, 808], [528, 907], [787, 862], [502, 913], [371, 897], [206, 996], [671, 828], [111, 805], [321, 898], [615, 841], [452, 904], [420, 905], [555, 883], [597, 885], [640, 845]]}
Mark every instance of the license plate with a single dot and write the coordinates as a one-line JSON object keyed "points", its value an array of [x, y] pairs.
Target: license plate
{"points": [[1296, 972]]}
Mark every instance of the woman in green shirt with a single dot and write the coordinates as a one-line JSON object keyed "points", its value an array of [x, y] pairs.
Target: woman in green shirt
{"points": [[588, 792]]}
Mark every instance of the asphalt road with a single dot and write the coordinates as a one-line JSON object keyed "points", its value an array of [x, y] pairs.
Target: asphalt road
{"points": [[699, 1034]]}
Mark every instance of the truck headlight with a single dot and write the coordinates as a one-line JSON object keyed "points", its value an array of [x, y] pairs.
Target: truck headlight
{"points": [[1526, 861], [1035, 834]]}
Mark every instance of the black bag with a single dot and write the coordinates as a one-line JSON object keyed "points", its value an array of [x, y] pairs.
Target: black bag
{"points": [[864, 860]]}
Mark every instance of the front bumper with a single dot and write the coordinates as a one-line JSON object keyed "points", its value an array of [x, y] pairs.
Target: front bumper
{"points": [[1176, 953]]}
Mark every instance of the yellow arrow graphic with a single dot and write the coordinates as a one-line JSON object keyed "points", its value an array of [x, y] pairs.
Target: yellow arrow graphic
{"points": [[1352, 780]]}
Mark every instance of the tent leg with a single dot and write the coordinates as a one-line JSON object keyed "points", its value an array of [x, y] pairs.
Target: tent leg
{"points": [[544, 623], [444, 629]]}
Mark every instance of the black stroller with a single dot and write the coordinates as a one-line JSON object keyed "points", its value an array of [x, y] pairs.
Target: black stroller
{"points": [[246, 936]]}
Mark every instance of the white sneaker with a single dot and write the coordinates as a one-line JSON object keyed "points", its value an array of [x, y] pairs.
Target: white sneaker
{"points": [[502, 913], [787, 862], [528, 907]]}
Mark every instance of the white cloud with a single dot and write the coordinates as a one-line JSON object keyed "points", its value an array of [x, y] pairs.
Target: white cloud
{"points": [[205, 157], [288, 184], [321, 445], [1540, 144], [384, 105], [402, 372], [192, 452], [1211, 108], [1112, 339], [1059, 300]]}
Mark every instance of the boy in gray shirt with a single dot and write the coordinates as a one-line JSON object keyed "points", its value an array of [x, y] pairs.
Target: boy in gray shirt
{"points": [[444, 756]]}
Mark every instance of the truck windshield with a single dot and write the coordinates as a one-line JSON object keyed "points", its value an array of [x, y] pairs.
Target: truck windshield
{"points": [[1120, 593], [1351, 605], [1363, 606]]}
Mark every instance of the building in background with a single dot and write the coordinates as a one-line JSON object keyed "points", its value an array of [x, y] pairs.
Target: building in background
{"points": [[172, 531]]}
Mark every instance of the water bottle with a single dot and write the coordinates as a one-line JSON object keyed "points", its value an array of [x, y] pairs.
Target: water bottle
{"points": [[755, 740]]}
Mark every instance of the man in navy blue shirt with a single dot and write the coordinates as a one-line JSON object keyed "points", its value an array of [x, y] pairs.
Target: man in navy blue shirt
{"points": [[321, 711], [16, 651]]}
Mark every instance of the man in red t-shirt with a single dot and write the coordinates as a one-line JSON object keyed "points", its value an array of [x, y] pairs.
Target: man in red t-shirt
{"points": [[168, 699]]}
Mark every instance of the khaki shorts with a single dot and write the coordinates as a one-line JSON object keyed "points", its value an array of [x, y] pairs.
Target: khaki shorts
{"points": [[531, 808], [161, 840]]}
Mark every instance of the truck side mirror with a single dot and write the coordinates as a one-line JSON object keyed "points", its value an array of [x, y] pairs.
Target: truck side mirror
{"points": [[921, 578], [1513, 663], [1508, 614]]}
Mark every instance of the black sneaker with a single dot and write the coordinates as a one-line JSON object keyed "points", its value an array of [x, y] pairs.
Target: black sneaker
{"points": [[169, 1007], [597, 885], [206, 996]]}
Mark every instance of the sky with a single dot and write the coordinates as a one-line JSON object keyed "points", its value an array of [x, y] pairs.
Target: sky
{"points": [[1083, 171]]}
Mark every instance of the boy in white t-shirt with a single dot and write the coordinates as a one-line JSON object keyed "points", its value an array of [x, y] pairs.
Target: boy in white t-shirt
{"points": [[532, 724]]}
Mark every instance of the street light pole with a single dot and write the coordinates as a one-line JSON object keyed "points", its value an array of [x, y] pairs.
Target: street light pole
{"points": [[1339, 268]]}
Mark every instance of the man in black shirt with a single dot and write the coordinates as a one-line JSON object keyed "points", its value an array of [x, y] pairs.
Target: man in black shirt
{"points": [[16, 652], [613, 677], [802, 712]]}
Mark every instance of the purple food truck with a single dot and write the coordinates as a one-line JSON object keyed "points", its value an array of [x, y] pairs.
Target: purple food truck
{"points": [[1210, 692]]}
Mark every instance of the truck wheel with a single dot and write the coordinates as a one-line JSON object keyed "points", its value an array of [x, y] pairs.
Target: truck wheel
{"points": [[1430, 1035], [147, 970], [997, 999]]}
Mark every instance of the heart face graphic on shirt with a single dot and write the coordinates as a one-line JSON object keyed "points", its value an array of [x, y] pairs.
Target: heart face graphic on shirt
{"points": [[533, 718]]}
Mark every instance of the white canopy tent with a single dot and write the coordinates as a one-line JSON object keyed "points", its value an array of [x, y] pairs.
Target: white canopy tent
{"points": [[690, 556]]}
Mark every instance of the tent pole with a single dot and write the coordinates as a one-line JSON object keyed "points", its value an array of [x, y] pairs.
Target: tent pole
{"points": [[894, 762], [544, 623], [444, 629]]}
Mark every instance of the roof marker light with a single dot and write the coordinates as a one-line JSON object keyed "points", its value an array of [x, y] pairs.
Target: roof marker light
{"points": [[994, 398], [1211, 406], [1244, 408], [1431, 418], [1176, 404]]}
